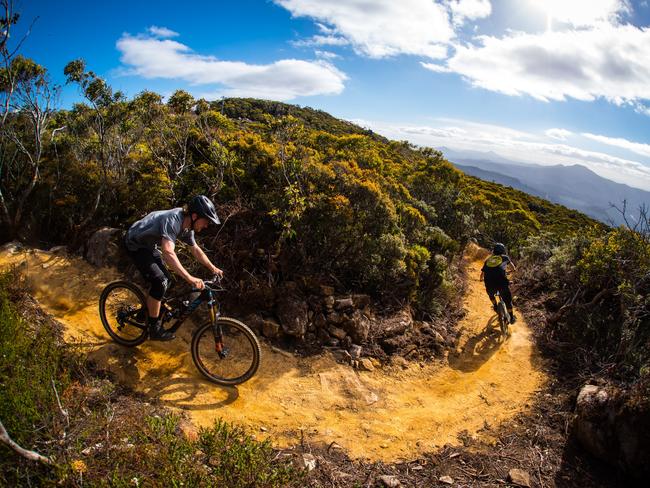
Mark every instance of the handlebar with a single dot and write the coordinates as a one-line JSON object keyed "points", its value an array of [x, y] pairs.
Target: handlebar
{"points": [[214, 284]]}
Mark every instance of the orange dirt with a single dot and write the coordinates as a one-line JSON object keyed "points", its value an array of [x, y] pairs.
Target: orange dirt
{"points": [[388, 414]]}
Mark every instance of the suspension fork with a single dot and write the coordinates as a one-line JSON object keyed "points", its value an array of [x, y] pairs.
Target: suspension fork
{"points": [[216, 327]]}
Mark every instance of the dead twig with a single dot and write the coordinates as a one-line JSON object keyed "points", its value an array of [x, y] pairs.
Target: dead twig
{"points": [[31, 455]]}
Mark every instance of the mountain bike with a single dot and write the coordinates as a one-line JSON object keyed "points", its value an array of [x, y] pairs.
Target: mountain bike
{"points": [[224, 350], [502, 313]]}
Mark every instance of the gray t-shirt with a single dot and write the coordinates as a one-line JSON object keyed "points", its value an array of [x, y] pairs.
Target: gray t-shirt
{"points": [[148, 232]]}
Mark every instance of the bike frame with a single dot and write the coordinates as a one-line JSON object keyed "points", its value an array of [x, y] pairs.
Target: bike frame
{"points": [[206, 295]]}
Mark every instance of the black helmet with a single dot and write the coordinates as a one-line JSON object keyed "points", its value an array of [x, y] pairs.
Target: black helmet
{"points": [[203, 207], [499, 248]]}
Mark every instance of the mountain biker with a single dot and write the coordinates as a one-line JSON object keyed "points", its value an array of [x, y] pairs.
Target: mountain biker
{"points": [[151, 241], [495, 278]]}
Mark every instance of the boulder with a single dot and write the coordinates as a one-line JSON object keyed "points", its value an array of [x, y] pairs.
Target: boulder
{"points": [[343, 304], [614, 425], [358, 326], [293, 316], [519, 477], [270, 329], [365, 364], [336, 332], [397, 324], [105, 247]]}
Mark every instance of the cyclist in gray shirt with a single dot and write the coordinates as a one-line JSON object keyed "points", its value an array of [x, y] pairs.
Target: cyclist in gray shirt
{"points": [[151, 242]]}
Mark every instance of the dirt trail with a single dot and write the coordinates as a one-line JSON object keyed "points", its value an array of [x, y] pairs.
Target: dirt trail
{"points": [[387, 414]]}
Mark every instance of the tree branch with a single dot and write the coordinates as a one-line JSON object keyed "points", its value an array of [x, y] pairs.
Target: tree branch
{"points": [[31, 455]]}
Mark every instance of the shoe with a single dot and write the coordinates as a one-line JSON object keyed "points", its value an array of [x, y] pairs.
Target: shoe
{"points": [[157, 333], [513, 319]]}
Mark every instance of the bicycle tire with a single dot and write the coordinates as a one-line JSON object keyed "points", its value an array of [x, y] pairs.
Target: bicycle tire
{"points": [[234, 369], [504, 318], [137, 333]]}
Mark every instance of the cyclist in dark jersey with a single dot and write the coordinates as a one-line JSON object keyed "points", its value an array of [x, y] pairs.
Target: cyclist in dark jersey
{"points": [[495, 277], [151, 242]]}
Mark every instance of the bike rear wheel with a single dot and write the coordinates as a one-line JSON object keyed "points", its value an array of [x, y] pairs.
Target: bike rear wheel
{"points": [[504, 318], [123, 311], [239, 359]]}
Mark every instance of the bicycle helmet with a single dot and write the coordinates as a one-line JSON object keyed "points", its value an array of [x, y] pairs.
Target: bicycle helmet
{"points": [[203, 207], [499, 249]]}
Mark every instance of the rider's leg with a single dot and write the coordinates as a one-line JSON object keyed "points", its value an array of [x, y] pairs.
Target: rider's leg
{"points": [[152, 269], [491, 292], [507, 298]]}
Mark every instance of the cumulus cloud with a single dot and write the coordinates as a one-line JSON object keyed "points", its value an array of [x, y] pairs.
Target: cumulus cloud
{"points": [[318, 40], [162, 32], [635, 147], [463, 10], [283, 80], [559, 134], [610, 62], [436, 68], [382, 28], [583, 13]]}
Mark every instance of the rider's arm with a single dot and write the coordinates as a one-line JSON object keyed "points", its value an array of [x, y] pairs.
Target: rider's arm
{"points": [[200, 256], [171, 260]]}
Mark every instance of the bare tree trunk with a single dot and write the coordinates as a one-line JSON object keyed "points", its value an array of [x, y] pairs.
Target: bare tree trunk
{"points": [[31, 455]]}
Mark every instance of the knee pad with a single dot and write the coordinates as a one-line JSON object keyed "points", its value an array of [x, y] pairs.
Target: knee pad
{"points": [[158, 288]]}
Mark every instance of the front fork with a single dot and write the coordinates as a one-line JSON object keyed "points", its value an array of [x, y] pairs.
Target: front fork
{"points": [[216, 327]]}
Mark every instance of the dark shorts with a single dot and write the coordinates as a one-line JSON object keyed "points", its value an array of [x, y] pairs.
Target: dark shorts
{"points": [[150, 264], [504, 291]]}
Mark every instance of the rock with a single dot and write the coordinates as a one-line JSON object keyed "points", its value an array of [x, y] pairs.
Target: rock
{"points": [[319, 321], [366, 365], [335, 318], [326, 291], [254, 321], [336, 332], [400, 361], [188, 430], [360, 301], [343, 304], [309, 461], [11, 247], [397, 324], [105, 247], [270, 329], [358, 326], [332, 342], [355, 351], [447, 480], [612, 424], [328, 301], [519, 477], [438, 338], [292, 313], [59, 249], [390, 481]]}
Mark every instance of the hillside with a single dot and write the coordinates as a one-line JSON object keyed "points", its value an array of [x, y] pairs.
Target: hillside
{"points": [[573, 186], [335, 238]]}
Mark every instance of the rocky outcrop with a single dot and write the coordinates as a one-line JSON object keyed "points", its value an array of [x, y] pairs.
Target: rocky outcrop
{"points": [[105, 247], [614, 428]]}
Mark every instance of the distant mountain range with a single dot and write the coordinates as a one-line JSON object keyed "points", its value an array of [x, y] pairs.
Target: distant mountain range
{"points": [[573, 186]]}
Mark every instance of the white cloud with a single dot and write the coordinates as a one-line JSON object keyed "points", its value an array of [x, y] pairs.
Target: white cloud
{"points": [[326, 54], [382, 28], [318, 40], [437, 68], [281, 80], [584, 13], [462, 10], [635, 147], [559, 134], [517, 146], [610, 62], [162, 32]]}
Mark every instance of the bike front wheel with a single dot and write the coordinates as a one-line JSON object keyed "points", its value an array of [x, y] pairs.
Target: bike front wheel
{"points": [[123, 311], [504, 318], [235, 360]]}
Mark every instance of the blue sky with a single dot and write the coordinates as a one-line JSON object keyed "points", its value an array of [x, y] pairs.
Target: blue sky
{"points": [[543, 81]]}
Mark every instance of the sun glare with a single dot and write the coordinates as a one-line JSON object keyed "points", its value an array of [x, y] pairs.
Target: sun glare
{"points": [[576, 12]]}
